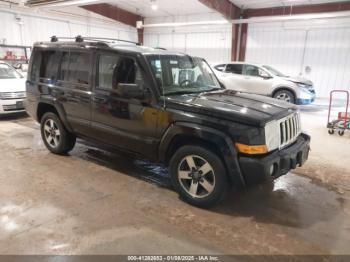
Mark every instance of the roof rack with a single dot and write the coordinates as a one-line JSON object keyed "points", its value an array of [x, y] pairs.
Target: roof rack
{"points": [[80, 39]]}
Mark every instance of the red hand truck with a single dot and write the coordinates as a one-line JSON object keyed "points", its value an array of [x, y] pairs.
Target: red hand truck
{"points": [[343, 122]]}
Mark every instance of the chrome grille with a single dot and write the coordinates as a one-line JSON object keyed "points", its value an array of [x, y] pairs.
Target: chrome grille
{"points": [[289, 129], [12, 95]]}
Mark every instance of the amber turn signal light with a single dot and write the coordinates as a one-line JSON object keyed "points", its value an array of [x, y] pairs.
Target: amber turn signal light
{"points": [[251, 149]]}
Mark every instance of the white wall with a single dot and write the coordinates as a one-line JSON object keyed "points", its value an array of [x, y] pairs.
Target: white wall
{"points": [[30, 27], [323, 45], [213, 42]]}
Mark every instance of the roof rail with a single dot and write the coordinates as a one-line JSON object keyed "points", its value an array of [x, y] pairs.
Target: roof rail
{"points": [[160, 48], [80, 39]]}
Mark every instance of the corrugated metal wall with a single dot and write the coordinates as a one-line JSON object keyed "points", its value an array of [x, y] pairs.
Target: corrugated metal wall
{"points": [[32, 28], [213, 42], [213, 45], [293, 47]]}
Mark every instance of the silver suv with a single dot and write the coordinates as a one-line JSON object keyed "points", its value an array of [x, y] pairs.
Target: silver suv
{"points": [[265, 80]]}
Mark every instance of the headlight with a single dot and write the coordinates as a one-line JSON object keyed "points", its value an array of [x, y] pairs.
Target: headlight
{"points": [[272, 135], [272, 141], [302, 85]]}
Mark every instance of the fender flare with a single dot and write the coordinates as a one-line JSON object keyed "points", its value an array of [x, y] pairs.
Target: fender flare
{"points": [[224, 144], [52, 101]]}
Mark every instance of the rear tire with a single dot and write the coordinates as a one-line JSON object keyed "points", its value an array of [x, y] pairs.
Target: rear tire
{"points": [[199, 176], [56, 138], [285, 95]]}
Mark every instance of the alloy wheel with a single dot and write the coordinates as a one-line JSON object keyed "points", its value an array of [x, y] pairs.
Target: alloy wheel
{"points": [[196, 176], [284, 96], [52, 133]]}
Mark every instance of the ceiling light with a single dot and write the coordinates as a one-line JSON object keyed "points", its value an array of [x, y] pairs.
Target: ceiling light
{"points": [[212, 22], [154, 5]]}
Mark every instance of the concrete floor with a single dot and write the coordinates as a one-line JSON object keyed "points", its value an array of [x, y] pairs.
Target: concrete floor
{"points": [[96, 202]]}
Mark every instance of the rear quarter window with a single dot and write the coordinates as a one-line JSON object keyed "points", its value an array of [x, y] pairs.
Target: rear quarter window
{"points": [[44, 65], [220, 68]]}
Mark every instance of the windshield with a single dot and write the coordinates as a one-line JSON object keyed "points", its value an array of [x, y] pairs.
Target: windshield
{"points": [[274, 71], [8, 72], [182, 74]]}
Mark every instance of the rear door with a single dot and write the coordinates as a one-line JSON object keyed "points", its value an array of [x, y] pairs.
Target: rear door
{"points": [[74, 88]]}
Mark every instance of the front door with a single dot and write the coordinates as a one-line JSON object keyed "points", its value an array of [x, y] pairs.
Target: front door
{"points": [[128, 123], [254, 82]]}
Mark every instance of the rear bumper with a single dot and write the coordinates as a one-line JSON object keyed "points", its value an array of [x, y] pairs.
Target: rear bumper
{"points": [[257, 169]]}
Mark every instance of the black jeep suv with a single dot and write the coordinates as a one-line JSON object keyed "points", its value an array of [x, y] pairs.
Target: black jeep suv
{"points": [[168, 107]]}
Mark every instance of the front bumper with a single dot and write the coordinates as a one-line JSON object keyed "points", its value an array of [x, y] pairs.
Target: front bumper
{"points": [[257, 169], [305, 101], [9, 106], [305, 97]]}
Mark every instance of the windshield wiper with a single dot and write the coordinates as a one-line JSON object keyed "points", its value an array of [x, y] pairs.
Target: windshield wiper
{"points": [[182, 92], [213, 89]]}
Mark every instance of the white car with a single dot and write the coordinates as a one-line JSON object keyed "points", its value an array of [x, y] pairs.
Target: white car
{"points": [[12, 90], [265, 80]]}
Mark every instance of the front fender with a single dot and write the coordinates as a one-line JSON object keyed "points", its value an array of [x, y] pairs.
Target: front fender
{"points": [[220, 139]]}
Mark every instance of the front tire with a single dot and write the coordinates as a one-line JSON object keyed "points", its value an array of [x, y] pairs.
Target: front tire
{"points": [[199, 176], [56, 138], [285, 95]]}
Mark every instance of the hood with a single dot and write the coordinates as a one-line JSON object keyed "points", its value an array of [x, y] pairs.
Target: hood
{"points": [[298, 79], [12, 85], [234, 106]]}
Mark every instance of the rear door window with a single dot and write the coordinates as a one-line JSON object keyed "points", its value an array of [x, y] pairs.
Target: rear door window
{"points": [[79, 68], [234, 68], [64, 68], [75, 67]]}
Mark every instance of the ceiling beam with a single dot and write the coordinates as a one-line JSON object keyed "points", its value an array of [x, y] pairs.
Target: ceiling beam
{"points": [[225, 7], [119, 15], [231, 12], [115, 13], [298, 9]]}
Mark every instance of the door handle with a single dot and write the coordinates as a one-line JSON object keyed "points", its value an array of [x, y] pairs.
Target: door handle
{"points": [[99, 99]]}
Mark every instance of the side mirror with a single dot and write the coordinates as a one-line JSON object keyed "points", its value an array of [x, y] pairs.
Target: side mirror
{"points": [[17, 66], [265, 75], [130, 91]]}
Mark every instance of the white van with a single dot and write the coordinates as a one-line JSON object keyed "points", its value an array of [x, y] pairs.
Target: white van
{"points": [[12, 90]]}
